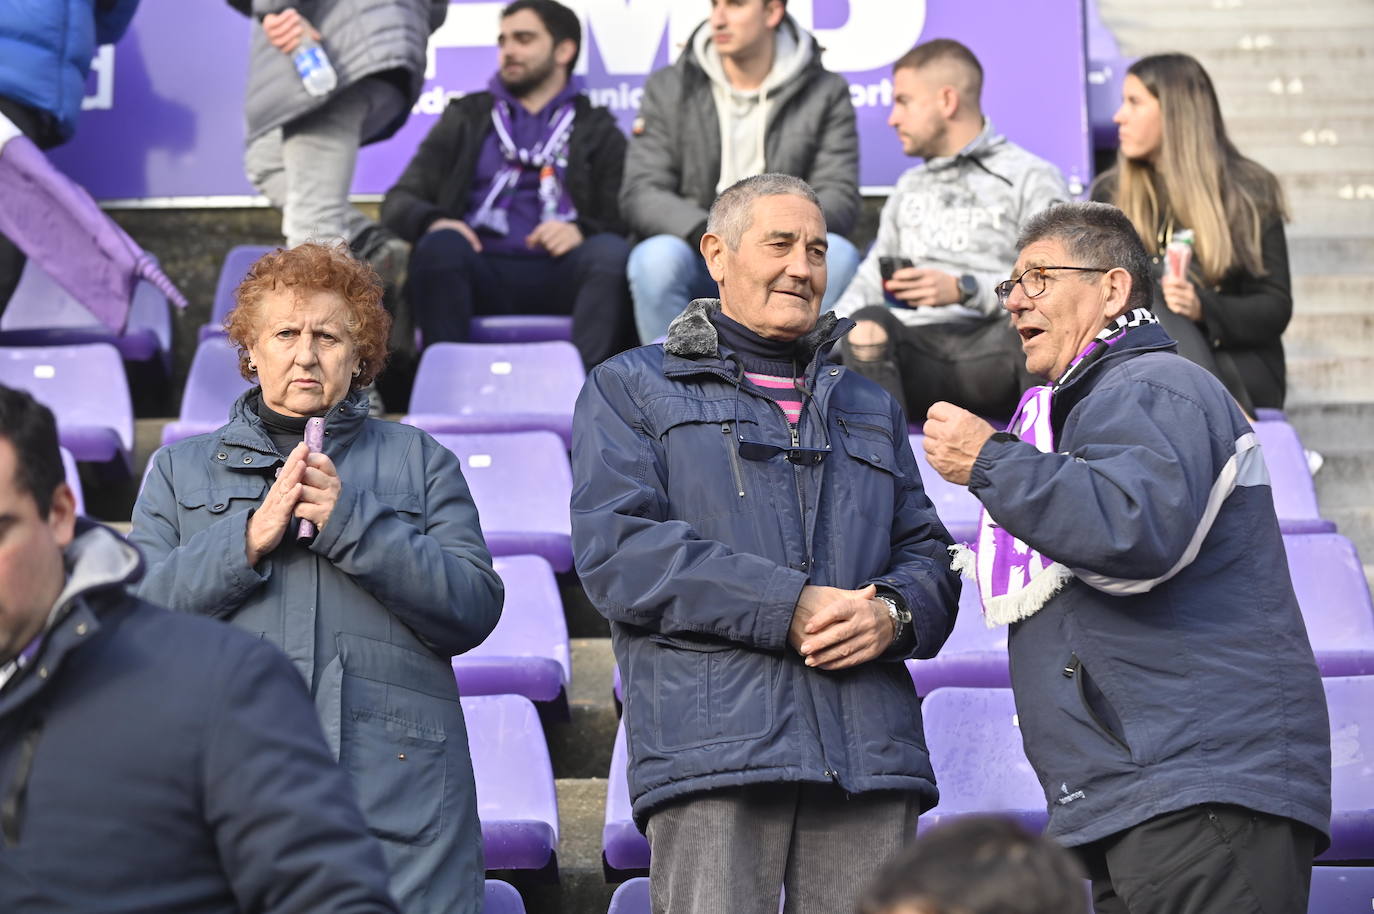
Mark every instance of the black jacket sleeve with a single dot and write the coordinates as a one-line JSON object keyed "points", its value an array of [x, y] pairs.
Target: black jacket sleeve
{"points": [[1248, 312], [417, 198], [596, 192]]}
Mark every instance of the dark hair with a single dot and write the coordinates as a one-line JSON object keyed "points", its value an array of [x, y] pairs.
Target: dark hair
{"points": [[561, 22], [979, 865], [30, 429], [1097, 235], [929, 52]]}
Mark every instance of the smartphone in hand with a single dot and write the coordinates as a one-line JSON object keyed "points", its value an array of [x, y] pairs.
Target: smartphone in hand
{"points": [[888, 266]]}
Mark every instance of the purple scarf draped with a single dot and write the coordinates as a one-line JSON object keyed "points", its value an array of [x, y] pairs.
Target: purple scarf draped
{"points": [[1014, 580], [548, 156]]}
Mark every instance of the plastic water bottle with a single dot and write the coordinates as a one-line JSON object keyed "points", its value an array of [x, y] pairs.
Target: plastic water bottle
{"points": [[312, 63]]}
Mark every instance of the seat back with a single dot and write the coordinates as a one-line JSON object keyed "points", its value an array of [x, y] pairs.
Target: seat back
{"points": [[83, 385], [1329, 581], [231, 273]]}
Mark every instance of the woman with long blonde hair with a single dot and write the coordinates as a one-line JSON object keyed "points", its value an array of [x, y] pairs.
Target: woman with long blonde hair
{"points": [[1177, 169]]}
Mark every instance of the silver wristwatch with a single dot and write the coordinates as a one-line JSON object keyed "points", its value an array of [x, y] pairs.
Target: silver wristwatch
{"points": [[900, 617]]}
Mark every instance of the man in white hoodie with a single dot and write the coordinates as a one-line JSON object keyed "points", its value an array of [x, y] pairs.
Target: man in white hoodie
{"points": [[928, 324], [747, 96]]}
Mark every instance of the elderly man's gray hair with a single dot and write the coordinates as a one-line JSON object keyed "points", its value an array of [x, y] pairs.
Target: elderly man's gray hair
{"points": [[1096, 235], [730, 215]]}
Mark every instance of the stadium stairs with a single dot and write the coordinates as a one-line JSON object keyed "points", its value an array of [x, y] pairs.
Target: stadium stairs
{"points": [[1297, 89]]}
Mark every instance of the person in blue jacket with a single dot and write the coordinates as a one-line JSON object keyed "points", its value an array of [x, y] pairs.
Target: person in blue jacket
{"points": [[750, 518], [149, 761], [370, 605], [1166, 690], [46, 48]]}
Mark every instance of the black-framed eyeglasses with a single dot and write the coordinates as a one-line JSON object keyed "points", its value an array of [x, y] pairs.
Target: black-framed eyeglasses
{"points": [[1033, 281], [762, 451]]}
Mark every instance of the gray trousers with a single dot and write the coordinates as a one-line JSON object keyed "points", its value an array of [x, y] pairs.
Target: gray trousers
{"points": [[733, 849], [305, 168]]}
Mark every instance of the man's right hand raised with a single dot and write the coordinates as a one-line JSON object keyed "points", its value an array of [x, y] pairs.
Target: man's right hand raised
{"points": [[459, 226]]}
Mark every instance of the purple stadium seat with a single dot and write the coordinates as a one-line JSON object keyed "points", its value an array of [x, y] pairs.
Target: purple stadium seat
{"points": [[631, 898], [519, 328], [528, 653], [975, 656], [42, 313], [491, 387], [73, 479], [1350, 702], [231, 273], [624, 850], [85, 387], [212, 385], [975, 747], [1295, 497], [522, 484], [957, 507], [1336, 889], [515, 793], [1334, 595], [502, 898]]}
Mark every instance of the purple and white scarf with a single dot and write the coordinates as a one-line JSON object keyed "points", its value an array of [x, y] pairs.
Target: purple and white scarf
{"points": [[1014, 580], [548, 156]]}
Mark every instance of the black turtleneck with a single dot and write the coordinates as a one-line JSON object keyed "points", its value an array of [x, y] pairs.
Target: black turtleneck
{"points": [[285, 431], [757, 353]]}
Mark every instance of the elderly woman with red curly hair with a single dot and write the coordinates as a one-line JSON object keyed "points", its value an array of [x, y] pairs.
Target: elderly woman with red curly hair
{"points": [[394, 581]]}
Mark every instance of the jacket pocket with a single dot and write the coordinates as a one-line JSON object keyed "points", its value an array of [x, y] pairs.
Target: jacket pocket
{"points": [[407, 505], [217, 501], [709, 692], [1095, 705], [397, 710]]}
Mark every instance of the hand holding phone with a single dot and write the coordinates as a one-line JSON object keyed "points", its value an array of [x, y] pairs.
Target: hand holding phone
{"points": [[887, 266]]}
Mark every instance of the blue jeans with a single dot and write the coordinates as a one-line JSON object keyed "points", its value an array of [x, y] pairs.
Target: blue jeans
{"points": [[665, 274]]}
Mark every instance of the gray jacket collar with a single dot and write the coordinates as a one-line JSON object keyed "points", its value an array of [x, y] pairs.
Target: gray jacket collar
{"points": [[691, 335]]}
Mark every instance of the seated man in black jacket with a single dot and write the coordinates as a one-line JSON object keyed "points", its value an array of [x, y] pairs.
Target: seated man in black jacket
{"points": [[149, 760], [511, 200]]}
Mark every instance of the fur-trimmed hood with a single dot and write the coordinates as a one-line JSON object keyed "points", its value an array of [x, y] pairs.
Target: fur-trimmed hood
{"points": [[691, 335]]}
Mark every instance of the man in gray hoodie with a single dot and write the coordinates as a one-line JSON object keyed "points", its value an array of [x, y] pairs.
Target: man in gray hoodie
{"points": [[747, 96], [928, 324]]}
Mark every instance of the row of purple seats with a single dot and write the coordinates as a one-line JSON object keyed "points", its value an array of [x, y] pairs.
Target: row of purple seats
{"points": [[1295, 496], [85, 387], [502, 898], [42, 313], [497, 387], [503, 328], [975, 747]]}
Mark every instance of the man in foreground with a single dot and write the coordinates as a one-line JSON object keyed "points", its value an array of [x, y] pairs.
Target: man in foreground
{"points": [[149, 761], [751, 520], [1166, 690]]}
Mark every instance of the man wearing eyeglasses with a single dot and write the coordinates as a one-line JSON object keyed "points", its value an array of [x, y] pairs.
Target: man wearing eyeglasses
{"points": [[750, 519], [1166, 691]]}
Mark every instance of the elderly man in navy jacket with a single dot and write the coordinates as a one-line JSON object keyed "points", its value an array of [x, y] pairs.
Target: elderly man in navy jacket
{"points": [[751, 520], [149, 761], [1166, 690]]}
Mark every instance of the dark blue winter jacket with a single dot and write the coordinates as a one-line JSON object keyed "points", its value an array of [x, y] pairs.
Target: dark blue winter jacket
{"points": [[46, 48], [697, 558], [151, 761], [1174, 669]]}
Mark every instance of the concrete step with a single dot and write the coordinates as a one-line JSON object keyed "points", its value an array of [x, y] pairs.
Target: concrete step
{"points": [[1346, 478], [1276, 21], [1333, 292], [1334, 427], [1251, 133], [1329, 334], [1325, 379], [582, 886], [1298, 157], [1312, 250], [1258, 79], [1286, 107], [581, 746], [1140, 36]]}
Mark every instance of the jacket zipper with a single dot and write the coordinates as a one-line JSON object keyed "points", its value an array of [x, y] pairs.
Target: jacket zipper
{"points": [[733, 453], [1075, 671], [845, 427]]}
